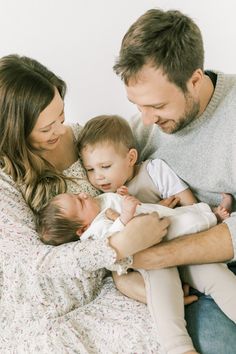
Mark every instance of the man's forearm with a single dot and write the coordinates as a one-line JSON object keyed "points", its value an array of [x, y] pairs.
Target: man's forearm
{"points": [[214, 245]]}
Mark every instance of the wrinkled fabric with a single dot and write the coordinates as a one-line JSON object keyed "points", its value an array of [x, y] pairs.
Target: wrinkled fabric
{"points": [[61, 299]]}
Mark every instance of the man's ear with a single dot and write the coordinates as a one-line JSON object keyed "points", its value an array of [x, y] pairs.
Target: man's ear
{"points": [[195, 81], [81, 230], [133, 156]]}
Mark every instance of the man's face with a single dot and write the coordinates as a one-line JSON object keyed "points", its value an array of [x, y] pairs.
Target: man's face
{"points": [[162, 102]]}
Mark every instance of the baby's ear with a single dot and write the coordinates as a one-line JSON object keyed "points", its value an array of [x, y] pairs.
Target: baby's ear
{"points": [[81, 230], [133, 156]]}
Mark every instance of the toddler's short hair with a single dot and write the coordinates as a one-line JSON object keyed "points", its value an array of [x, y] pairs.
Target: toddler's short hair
{"points": [[106, 128]]}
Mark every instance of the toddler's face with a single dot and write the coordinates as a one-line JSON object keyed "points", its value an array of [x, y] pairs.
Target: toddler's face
{"points": [[79, 207], [107, 168]]}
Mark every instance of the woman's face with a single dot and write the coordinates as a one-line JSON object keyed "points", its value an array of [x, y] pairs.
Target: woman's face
{"points": [[49, 127]]}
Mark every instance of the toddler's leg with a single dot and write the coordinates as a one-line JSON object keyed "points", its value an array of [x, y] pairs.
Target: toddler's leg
{"points": [[165, 301], [215, 280]]}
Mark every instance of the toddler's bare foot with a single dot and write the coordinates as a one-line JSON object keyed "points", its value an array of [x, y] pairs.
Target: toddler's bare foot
{"points": [[227, 201], [223, 211]]}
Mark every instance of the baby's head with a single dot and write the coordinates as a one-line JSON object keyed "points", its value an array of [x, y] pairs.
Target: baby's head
{"points": [[107, 149], [66, 217]]}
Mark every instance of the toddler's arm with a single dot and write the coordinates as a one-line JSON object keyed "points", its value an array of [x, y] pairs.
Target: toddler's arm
{"points": [[186, 197]]}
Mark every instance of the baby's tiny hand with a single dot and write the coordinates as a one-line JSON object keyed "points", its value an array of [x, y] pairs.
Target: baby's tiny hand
{"points": [[123, 190], [128, 208]]}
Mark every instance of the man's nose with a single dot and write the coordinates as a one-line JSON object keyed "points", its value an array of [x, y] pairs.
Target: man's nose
{"points": [[147, 115]]}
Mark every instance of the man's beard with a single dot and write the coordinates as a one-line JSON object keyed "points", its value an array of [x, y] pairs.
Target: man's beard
{"points": [[191, 112]]}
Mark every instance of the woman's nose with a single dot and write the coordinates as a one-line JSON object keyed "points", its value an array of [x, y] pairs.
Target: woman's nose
{"points": [[59, 128]]}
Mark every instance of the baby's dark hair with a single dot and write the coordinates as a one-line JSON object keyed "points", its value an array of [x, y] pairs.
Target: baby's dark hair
{"points": [[106, 128], [54, 227]]}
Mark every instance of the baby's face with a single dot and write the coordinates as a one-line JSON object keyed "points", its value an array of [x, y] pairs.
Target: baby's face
{"points": [[78, 207], [107, 168]]}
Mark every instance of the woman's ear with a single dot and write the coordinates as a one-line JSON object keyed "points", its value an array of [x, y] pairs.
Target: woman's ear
{"points": [[133, 156]]}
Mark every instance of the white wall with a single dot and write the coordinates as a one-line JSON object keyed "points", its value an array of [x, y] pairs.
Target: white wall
{"points": [[79, 40]]}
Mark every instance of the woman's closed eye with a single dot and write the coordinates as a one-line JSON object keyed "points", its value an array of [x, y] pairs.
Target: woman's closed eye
{"points": [[47, 129], [106, 166]]}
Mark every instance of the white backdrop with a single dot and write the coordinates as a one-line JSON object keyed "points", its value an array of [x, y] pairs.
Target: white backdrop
{"points": [[79, 40]]}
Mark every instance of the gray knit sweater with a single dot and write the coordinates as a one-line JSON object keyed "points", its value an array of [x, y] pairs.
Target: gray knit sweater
{"points": [[203, 154]]}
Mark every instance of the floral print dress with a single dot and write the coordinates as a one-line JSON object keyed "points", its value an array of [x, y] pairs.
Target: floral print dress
{"points": [[61, 299]]}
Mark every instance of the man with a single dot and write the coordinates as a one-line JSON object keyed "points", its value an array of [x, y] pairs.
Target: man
{"points": [[191, 119]]}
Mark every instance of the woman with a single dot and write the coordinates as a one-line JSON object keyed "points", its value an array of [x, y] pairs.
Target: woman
{"points": [[57, 299]]}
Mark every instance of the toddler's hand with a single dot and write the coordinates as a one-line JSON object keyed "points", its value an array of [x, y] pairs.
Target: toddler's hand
{"points": [[169, 202], [111, 214], [128, 208], [123, 190]]}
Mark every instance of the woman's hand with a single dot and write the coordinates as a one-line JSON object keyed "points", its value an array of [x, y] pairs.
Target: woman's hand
{"points": [[141, 232]]}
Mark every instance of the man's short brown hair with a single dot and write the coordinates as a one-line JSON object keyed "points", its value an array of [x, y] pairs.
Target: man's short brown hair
{"points": [[168, 40]]}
